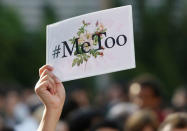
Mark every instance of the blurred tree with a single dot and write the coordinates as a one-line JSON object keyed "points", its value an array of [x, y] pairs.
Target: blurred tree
{"points": [[11, 35], [160, 43], [22, 53]]}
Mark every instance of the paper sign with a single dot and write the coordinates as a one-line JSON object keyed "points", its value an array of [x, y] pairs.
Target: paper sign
{"points": [[92, 44]]}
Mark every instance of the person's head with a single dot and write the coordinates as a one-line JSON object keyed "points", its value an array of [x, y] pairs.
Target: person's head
{"points": [[146, 91], [106, 125], [12, 99], [142, 121], [175, 122], [84, 118], [3, 126], [116, 93], [80, 96], [179, 99], [121, 111], [62, 126]]}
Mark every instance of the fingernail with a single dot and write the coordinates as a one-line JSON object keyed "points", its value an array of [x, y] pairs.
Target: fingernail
{"points": [[50, 67], [57, 80]]}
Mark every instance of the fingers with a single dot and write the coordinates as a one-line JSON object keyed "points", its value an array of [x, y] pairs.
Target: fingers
{"points": [[47, 72], [40, 86], [50, 80], [52, 76], [45, 86], [47, 75], [48, 67], [51, 88], [57, 80]]}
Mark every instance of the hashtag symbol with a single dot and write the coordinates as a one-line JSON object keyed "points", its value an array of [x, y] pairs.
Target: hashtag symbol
{"points": [[56, 51]]}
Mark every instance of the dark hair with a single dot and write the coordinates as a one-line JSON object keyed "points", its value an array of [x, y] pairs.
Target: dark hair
{"points": [[153, 86], [107, 123], [82, 119], [151, 82], [176, 120], [7, 87], [7, 129]]}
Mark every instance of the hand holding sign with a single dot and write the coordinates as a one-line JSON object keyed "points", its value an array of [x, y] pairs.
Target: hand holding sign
{"points": [[50, 89], [52, 93], [91, 44]]}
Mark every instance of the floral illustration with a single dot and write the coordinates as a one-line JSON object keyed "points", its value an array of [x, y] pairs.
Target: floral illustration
{"points": [[85, 36]]}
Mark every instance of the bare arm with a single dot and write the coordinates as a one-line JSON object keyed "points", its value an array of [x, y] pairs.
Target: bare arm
{"points": [[52, 94]]}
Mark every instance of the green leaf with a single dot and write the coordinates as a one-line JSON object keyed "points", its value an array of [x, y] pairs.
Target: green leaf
{"points": [[79, 33], [81, 60], [78, 62], [104, 30], [85, 58], [97, 53], [72, 40], [94, 55], [79, 55], [75, 53], [92, 51], [74, 62]]}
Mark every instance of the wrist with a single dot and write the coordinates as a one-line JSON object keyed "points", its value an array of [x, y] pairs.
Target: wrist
{"points": [[53, 110], [53, 114], [50, 119], [54, 107]]}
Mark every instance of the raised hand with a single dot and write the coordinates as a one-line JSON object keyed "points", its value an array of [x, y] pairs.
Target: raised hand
{"points": [[52, 93]]}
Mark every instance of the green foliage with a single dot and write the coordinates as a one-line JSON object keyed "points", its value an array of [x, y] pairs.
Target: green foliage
{"points": [[80, 59], [22, 52], [11, 32]]}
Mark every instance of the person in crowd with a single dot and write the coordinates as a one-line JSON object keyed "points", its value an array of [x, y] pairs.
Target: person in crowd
{"points": [[121, 111], [143, 120], [17, 114], [3, 127], [175, 122], [83, 118], [80, 96], [145, 92], [62, 126], [107, 125], [116, 93]]}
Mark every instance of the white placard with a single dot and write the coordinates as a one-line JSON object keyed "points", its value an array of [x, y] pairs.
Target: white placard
{"points": [[91, 44]]}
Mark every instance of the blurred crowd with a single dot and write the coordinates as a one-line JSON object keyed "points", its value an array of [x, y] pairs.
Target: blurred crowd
{"points": [[139, 105]]}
